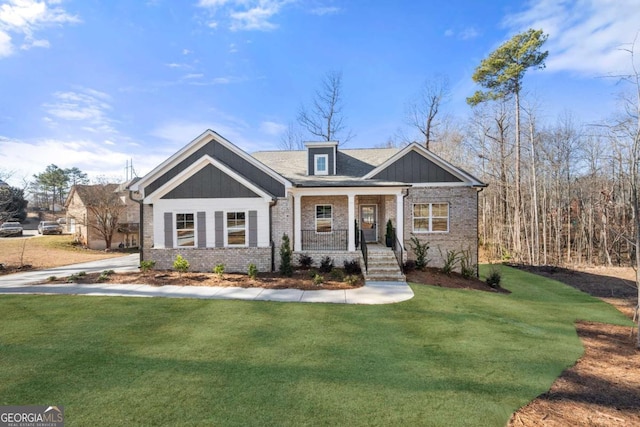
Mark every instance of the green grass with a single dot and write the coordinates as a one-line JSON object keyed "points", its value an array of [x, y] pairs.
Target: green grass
{"points": [[446, 357]]}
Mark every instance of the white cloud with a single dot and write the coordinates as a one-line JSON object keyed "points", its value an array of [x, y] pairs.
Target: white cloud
{"points": [[23, 18], [85, 105], [244, 15], [272, 128], [585, 36], [467, 33], [328, 10], [93, 157]]}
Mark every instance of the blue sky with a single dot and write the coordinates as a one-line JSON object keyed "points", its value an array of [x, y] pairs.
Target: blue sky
{"points": [[93, 83]]}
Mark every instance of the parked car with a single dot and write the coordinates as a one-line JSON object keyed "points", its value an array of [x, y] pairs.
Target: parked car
{"points": [[49, 227], [10, 229]]}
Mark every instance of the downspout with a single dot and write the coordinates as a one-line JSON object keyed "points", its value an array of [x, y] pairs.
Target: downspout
{"points": [[141, 228], [478, 190], [272, 203]]}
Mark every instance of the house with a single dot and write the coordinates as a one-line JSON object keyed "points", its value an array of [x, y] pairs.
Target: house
{"points": [[213, 203], [90, 206]]}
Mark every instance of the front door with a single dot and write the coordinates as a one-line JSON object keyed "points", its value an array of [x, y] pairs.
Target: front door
{"points": [[368, 221]]}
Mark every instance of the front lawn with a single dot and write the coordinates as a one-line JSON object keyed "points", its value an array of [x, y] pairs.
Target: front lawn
{"points": [[446, 357]]}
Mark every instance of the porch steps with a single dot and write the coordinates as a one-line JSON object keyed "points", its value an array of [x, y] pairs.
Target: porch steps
{"points": [[383, 265]]}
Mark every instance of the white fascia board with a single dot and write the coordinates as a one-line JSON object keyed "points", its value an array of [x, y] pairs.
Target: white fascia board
{"points": [[314, 144], [197, 166], [464, 176], [206, 137], [346, 191]]}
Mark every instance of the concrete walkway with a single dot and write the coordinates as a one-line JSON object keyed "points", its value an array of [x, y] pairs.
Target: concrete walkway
{"points": [[22, 283]]}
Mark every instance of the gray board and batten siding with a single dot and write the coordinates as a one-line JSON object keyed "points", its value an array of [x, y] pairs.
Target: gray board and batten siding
{"points": [[230, 159], [210, 183], [329, 151], [413, 167]]}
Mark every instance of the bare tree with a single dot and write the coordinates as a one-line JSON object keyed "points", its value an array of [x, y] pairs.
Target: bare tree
{"points": [[422, 112], [104, 209], [325, 118], [292, 138]]}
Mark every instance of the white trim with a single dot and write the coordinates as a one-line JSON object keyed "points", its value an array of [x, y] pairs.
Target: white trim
{"points": [[467, 178], [226, 228], [345, 191], [317, 157], [195, 167], [430, 218], [200, 141], [318, 144], [174, 225]]}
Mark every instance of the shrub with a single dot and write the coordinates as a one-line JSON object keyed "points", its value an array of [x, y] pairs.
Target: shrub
{"points": [[410, 265], [420, 250], [351, 279], [104, 276], [252, 272], [146, 266], [305, 261], [494, 278], [326, 265], [337, 274], [467, 268], [312, 273], [219, 270], [285, 257], [318, 280], [180, 265], [450, 261], [51, 278], [73, 278], [82, 273], [352, 267]]}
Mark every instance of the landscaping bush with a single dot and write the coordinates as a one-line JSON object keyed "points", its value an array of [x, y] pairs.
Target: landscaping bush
{"points": [[408, 266], [252, 272], [420, 250], [467, 268], [350, 279], [318, 280], [219, 270], [180, 265], [326, 265], [285, 257], [305, 261], [104, 276], [494, 277], [337, 274], [352, 267], [146, 266], [451, 259]]}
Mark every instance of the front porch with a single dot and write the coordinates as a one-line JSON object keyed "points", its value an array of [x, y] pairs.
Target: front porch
{"points": [[336, 219]]}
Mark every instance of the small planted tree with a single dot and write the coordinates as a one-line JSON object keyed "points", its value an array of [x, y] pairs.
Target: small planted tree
{"points": [[180, 265], [420, 250], [285, 257]]}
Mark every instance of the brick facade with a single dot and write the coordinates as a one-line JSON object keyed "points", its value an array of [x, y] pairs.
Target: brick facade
{"points": [[235, 260], [463, 222]]}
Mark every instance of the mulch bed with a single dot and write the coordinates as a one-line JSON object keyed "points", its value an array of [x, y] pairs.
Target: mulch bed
{"points": [[435, 277]]}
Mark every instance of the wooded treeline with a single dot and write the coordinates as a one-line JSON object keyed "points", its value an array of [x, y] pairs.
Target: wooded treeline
{"points": [[576, 195]]}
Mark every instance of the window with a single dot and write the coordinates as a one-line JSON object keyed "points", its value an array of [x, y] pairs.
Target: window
{"points": [[185, 230], [322, 166], [324, 219], [236, 229], [430, 217]]}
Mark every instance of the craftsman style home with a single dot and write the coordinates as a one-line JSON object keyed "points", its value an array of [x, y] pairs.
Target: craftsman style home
{"points": [[213, 203]]}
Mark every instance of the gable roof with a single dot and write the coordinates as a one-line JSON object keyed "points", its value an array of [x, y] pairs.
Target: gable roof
{"points": [[87, 193], [194, 151], [447, 172]]}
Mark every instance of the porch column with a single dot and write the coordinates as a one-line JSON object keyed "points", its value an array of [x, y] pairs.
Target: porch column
{"points": [[351, 241], [400, 218], [297, 222]]}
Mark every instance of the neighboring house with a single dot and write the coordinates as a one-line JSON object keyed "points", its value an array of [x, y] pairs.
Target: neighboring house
{"points": [[82, 213], [213, 203]]}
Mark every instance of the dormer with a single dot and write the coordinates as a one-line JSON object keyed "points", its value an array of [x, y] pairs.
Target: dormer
{"points": [[321, 158]]}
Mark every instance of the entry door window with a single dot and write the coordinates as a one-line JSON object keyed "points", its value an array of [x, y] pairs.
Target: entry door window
{"points": [[368, 219]]}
